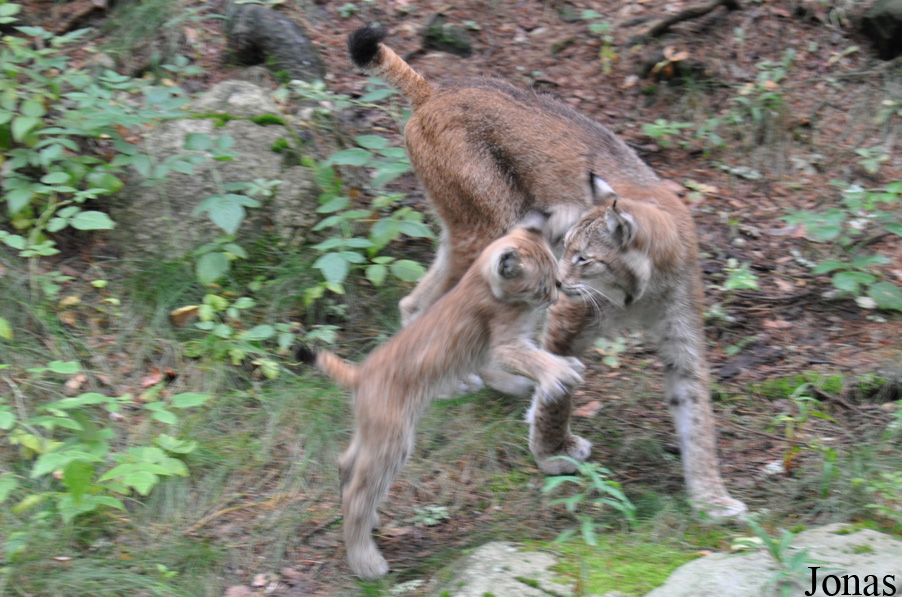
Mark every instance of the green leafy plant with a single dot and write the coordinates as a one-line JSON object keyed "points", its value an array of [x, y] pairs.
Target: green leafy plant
{"points": [[604, 31], [63, 439], [739, 277], [761, 103], [886, 490], [871, 158], [359, 231], [597, 492], [611, 350], [804, 408], [863, 211], [792, 571], [226, 337], [663, 131]]}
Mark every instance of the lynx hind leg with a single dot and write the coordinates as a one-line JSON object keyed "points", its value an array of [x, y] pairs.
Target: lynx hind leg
{"points": [[367, 474], [550, 437]]}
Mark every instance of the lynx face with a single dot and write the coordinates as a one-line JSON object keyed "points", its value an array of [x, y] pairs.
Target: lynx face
{"points": [[601, 260], [522, 269]]}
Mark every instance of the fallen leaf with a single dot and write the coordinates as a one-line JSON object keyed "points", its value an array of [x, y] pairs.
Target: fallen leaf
{"points": [[68, 317], [587, 411], [76, 381], [238, 591], [182, 316], [152, 378], [783, 285], [69, 301], [776, 324], [62, 559]]}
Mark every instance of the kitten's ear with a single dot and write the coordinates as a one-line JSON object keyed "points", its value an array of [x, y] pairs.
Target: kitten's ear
{"points": [[535, 221], [509, 265], [621, 226], [601, 190]]}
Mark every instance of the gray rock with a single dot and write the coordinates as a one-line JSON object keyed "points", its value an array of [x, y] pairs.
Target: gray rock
{"points": [[838, 549], [157, 221], [441, 35], [502, 570], [240, 99], [258, 34], [882, 24]]}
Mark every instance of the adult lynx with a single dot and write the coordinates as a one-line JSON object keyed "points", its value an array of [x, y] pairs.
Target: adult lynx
{"points": [[489, 316], [487, 152]]}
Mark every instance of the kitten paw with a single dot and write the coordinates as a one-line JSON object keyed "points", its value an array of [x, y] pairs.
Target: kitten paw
{"points": [[575, 447]]}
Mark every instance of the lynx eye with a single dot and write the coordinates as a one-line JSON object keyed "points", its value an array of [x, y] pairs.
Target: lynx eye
{"points": [[580, 260]]}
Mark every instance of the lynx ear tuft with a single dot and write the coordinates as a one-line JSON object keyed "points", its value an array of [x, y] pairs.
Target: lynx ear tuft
{"points": [[509, 265], [363, 44], [621, 226], [601, 190]]}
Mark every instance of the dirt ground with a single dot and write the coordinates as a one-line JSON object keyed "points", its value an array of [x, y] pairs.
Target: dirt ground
{"points": [[833, 89]]}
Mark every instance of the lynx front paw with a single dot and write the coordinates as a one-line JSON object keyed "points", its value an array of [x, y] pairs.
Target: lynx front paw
{"points": [[721, 507], [556, 387], [367, 562], [574, 446]]}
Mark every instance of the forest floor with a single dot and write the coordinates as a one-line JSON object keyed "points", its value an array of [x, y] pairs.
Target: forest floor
{"points": [[782, 106]]}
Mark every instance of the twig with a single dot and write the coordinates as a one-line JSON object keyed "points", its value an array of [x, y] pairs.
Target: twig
{"points": [[762, 433], [327, 523], [844, 403], [662, 26]]}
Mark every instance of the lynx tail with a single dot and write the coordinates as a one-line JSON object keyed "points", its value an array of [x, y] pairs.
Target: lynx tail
{"points": [[375, 58]]}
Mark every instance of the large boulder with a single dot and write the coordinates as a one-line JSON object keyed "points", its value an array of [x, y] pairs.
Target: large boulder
{"points": [[157, 221], [838, 550]]}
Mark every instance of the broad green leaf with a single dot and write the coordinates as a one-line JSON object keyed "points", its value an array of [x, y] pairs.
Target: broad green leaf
{"points": [[376, 95], [376, 273], [887, 295], [189, 399], [869, 260], [6, 331], [77, 477], [244, 302], [407, 270], [174, 466], [895, 228], [371, 141], [104, 180], [13, 240], [850, 281], [174, 445], [828, 266], [333, 205], [260, 332], [8, 484], [198, 142], [416, 229], [22, 125], [211, 267], [7, 420], [55, 178], [350, 157], [226, 213], [16, 199], [64, 367], [142, 481], [92, 220], [334, 268]]}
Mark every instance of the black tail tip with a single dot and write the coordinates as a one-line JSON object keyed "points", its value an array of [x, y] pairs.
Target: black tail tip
{"points": [[304, 354], [363, 44]]}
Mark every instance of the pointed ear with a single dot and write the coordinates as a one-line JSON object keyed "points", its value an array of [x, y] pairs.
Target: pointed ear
{"points": [[601, 190], [621, 226], [535, 221], [509, 265]]}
